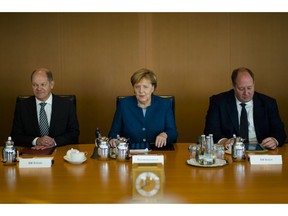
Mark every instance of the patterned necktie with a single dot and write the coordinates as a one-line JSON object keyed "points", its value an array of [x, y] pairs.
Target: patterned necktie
{"points": [[43, 122], [244, 123]]}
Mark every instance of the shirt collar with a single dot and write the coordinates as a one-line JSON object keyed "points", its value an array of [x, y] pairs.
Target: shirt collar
{"points": [[48, 101], [249, 103]]}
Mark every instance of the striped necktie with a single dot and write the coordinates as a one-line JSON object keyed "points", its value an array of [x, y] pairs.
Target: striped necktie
{"points": [[43, 122]]}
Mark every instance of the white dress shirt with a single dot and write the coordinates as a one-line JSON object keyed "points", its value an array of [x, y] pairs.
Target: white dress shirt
{"points": [[48, 110], [251, 128]]}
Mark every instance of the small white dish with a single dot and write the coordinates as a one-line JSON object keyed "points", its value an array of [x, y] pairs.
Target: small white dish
{"points": [[66, 158]]}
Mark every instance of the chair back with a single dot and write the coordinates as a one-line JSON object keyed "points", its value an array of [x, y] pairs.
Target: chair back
{"points": [[170, 97], [68, 97]]}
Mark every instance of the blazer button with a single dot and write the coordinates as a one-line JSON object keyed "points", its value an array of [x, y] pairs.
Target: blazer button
{"points": [[143, 129], [144, 140]]}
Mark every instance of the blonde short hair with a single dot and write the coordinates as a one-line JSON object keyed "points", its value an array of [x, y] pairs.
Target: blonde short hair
{"points": [[144, 73]]}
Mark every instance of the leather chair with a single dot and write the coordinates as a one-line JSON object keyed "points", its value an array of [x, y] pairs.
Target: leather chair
{"points": [[68, 97], [170, 97]]}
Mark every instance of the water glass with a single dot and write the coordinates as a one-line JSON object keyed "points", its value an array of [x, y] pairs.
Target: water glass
{"points": [[219, 151], [193, 151]]}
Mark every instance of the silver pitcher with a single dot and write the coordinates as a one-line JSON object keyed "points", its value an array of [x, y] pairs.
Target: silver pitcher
{"points": [[238, 150], [103, 148], [122, 149]]}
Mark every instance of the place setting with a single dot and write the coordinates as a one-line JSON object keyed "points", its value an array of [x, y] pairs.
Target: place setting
{"points": [[206, 153], [74, 156]]}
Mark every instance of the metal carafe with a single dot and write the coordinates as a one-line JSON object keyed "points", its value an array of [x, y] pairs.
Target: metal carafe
{"points": [[238, 150], [103, 148], [122, 149], [9, 153]]}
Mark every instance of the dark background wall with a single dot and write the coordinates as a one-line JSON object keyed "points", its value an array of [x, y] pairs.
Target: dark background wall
{"points": [[93, 55]]}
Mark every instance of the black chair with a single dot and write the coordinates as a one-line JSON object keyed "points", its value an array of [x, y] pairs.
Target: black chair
{"points": [[68, 97], [172, 98]]}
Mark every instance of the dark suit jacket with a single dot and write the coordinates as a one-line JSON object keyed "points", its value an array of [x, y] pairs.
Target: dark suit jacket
{"points": [[129, 121], [222, 117], [64, 127]]}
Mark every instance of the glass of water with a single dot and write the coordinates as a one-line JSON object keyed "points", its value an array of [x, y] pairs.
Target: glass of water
{"points": [[193, 151], [219, 151]]}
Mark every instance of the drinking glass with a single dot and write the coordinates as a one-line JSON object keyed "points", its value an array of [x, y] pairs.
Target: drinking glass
{"points": [[193, 151], [219, 151]]}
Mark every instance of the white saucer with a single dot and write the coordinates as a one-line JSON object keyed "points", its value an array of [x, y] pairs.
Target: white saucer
{"points": [[74, 162], [218, 163]]}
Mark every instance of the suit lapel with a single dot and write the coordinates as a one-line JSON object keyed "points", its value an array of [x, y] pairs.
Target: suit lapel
{"points": [[53, 113], [34, 117], [258, 111], [232, 111]]}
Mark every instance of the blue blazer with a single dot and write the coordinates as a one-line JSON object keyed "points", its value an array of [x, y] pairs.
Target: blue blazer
{"points": [[129, 121], [222, 117], [64, 127]]}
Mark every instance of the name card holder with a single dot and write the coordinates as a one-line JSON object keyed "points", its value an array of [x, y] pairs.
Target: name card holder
{"points": [[265, 159], [151, 159], [35, 162]]}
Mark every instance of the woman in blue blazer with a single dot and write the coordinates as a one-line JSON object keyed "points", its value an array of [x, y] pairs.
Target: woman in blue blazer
{"points": [[144, 117]]}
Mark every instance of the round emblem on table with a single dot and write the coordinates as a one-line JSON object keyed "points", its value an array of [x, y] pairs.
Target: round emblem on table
{"points": [[147, 184]]}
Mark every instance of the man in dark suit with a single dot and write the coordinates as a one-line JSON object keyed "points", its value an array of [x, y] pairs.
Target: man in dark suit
{"points": [[223, 116], [60, 116]]}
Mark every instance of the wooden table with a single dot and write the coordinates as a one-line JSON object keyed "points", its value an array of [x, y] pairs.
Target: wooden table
{"points": [[111, 181]]}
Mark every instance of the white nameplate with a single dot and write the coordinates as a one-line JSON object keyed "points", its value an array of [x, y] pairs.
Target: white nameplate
{"points": [[139, 151], [148, 159], [35, 162], [265, 159]]}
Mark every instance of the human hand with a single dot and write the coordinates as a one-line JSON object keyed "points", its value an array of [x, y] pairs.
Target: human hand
{"points": [[227, 142], [269, 143], [161, 140], [113, 142], [44, 143]]}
